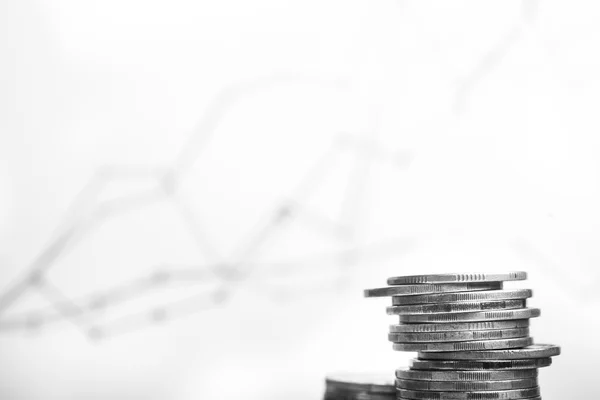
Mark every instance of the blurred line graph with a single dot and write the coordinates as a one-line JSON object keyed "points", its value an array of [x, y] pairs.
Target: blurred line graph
{"points": [[86, 214], [494, 57]]}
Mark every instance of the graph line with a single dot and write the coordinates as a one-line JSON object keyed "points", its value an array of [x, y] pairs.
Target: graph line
{"points": [[87, 212]]}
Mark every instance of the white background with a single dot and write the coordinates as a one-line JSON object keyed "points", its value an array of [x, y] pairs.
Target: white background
{"points": [[465, 138]]}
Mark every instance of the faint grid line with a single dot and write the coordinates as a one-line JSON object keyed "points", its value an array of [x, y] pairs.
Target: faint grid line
{"points": [[494, 57], [62, 303], [167, 183], [105, 174]]}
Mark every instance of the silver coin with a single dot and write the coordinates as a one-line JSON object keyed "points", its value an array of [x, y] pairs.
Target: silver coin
{"points": [[480, 365], [489, 375], [475, 398], [437, 398], [531, 351], [372, 383], [465, 346], [461, 326], [456, 307], [479, 395], [456, 278], [430, 289], [466, 386], [486, 295], [349, 395], [458, 336], [497, 315], [333, 395]]}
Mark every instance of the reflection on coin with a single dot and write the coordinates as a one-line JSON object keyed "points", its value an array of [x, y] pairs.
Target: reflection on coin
{"points": [[461, 326], [466, 386], [429, 289], [456, 307], [480, 365], [472, 316], [479, 395], [485, 295], [464, 346], [489, 375], [532, 351], [458, 278], [458, 336]]}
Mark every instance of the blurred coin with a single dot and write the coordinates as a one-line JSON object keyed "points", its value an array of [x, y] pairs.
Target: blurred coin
{"points": [[486, 295], [458, 278], [360, 396], [489, 375], [429, 289], [458, 336], [466, 386], [456, 307], [531, 351], [461, 326], [345, 395], [472, 316], [464, 346], [479, 395], [480, 365], [372, 383]]}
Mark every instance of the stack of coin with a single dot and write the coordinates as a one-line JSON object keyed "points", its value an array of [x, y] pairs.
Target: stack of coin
{"points": [[360, 387], [472, 336]]}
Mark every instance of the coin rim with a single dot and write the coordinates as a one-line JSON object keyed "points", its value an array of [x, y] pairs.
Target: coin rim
{"points": [[455, 385], [456, 278], [524, 353], [474, 316], [513, 304], [435, 395], [459, 297], [433, 289], [459, 326], [428, 337], [461, 375], [437, 365], [512, 343]]}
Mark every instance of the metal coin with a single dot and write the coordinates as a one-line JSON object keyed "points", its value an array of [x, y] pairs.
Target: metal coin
{"points": [[458, 336], [466, 386], [362, 396], [531, 351], [345, 395], [372, 383], [430, 289], [486, 295], [461, 326], [456, 307], [489, 375], [480, 395], [358, 396], [465, 346], [437, 398], [456, 278], [472, 316], [480, 365]]}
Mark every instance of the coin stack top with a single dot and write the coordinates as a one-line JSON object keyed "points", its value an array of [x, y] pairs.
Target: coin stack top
{"points": [[472, 337]]}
